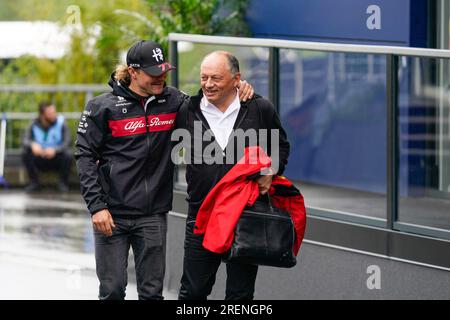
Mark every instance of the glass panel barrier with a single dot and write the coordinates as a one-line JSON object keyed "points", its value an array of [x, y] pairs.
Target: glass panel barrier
{"points": [[333, 106], [424, 138]]}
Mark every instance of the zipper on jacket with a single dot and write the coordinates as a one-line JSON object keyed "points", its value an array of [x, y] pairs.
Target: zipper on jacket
{"points": [[147, 141]]}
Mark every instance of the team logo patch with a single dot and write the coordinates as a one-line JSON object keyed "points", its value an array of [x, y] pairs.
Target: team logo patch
{"points": [[135, 126], [158, 55]]}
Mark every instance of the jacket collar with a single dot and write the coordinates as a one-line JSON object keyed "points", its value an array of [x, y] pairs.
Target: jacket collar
{"points": [[121, 89], [198, 98], [195, 107]]}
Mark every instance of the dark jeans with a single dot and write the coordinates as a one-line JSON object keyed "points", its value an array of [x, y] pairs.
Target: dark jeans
{"points": [[61, 163], [147, 237], [200, 268]]}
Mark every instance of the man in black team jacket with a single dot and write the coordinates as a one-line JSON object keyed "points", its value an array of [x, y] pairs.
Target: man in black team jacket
{"points": [[126, 175], [217, 108], [123, 152]]}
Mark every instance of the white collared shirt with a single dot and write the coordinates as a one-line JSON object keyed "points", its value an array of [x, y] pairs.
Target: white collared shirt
{"points": [[221, 123]]}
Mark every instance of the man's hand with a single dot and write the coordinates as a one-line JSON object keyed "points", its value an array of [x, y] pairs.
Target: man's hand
{"points": [[36, 149], [103, 222], [245, 91], [264, 183], [49, 153]]}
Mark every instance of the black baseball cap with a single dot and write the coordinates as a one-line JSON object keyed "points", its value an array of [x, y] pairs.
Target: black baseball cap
{"points": [[148, 56]]}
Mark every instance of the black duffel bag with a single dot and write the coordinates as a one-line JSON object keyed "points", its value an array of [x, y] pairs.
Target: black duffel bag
{"points": [[264, 235]]}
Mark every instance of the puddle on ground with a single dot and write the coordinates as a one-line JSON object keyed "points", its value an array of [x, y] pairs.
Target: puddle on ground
{"points": [[49, 228]]}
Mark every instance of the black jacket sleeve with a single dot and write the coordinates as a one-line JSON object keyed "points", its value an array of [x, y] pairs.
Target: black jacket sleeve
{"points": [[182, 115], [180, 135], [272, 121], [90, 135]]}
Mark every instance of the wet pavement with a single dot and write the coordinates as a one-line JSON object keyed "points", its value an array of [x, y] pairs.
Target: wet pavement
{"points": [[47, 248]]}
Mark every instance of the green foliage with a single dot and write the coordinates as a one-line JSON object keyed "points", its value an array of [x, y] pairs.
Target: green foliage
{"points": [[32, 10], [115, 25], [199, 17]]}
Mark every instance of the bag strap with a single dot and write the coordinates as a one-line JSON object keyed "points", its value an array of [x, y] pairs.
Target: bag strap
{"points": [[265, 120]]}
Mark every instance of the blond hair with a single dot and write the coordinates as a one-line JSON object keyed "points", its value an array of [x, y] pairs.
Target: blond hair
{"points": [[121, 74]]}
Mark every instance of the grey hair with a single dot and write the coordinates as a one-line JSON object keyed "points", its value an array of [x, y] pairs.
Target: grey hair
{"points": [[233, 62]]}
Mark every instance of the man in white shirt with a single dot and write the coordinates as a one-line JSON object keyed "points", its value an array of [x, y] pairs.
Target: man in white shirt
{"points": [[221, 122], [217, 108]]}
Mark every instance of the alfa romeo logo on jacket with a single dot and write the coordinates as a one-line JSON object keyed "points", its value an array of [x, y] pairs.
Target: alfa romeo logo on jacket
{"points": [[134, 126]]}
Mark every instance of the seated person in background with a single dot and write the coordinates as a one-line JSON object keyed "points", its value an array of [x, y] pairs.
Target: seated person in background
{"points": [[47, 147]]}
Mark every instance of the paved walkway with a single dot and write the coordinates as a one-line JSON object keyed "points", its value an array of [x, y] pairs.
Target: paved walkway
{"points": [[46, 249]]}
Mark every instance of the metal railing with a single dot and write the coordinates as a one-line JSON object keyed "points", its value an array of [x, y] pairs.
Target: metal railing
{"points": [[87, 92], [392, 55]]}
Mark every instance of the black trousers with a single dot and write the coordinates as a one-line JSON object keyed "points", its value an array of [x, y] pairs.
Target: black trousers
{"points": [[61, 163], [200, 267], [147, 237]]}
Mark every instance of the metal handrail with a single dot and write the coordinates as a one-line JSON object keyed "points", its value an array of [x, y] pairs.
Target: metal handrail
{"points": [[31, 88], [310, 45], [32, 115], [392, 54]]}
